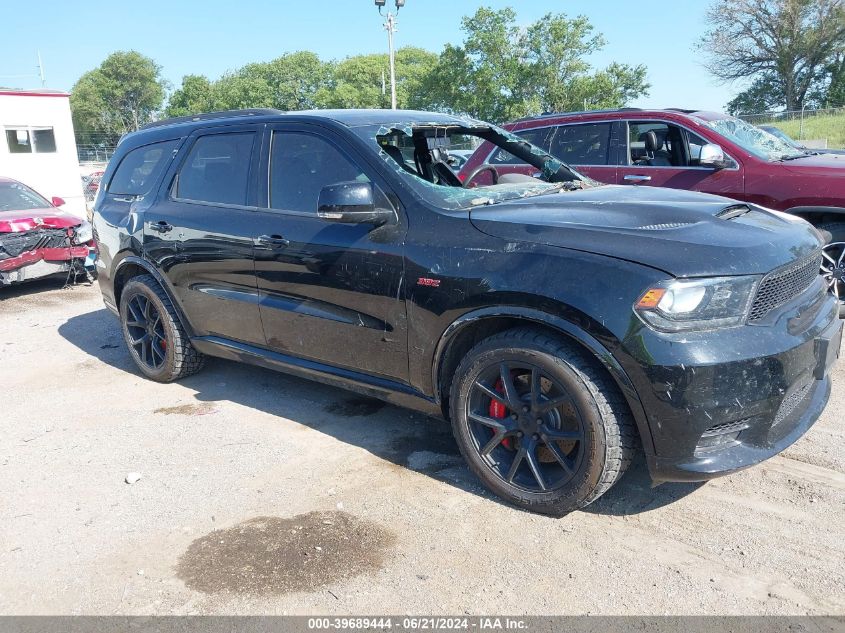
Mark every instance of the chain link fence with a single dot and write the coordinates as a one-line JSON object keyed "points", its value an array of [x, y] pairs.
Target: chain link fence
{"points": [[94, 153], [823, 128]]}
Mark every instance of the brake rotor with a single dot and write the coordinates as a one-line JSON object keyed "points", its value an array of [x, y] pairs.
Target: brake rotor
{"points": [[555, 421]]}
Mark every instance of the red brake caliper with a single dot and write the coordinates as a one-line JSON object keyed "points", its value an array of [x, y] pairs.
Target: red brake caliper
{"points": [[499, 411]]}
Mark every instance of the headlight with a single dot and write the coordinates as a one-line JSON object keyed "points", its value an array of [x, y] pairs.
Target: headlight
{"points": [[83, 233], [697, 304]]}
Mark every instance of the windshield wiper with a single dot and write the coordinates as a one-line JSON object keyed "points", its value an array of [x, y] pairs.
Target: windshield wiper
{"points": [[786, 157]]}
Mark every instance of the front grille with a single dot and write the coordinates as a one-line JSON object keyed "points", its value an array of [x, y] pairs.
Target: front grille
{"points": [[13, 244], [785, 283]]}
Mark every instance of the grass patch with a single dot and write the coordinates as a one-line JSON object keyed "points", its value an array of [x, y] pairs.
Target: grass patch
{"points": [[830, 127]]}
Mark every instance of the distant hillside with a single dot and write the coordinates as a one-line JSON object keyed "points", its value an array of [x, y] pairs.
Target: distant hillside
{"points": [[831, 127]]}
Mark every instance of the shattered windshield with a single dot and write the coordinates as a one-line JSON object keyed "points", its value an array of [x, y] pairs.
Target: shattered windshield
{"points": [[752, 139], [427, 156], [17, 197]]}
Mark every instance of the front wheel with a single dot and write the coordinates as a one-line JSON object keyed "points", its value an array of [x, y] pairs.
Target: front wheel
{"points": [[539, 422]]}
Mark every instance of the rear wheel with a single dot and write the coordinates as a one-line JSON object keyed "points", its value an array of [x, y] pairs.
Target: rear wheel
{"points": [[153, 333], [539, 422]]}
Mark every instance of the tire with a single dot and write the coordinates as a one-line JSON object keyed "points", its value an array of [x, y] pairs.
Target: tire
{"points": [[835, 232], [164, 353], [835, 229], [584, 403]]}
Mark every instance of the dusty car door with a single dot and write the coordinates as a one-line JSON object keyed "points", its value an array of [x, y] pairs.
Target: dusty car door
{"points": [[661, 154], [200, 233], [329, 292]]}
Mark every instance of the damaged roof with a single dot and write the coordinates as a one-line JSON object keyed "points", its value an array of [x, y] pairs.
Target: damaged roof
{"points": [[350, 118]]}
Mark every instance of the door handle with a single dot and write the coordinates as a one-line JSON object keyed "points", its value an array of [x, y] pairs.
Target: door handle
{"points": [[636, 178], [276, 241], [161, 227]]}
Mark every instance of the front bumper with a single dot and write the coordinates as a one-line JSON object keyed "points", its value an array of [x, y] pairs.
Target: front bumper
{"points": [[44, 262], [744, 453], [721, 401]]}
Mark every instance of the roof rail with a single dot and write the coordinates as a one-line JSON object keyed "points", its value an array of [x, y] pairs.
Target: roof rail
{"points": [[683, 110], [208, 116], [576, 113]]}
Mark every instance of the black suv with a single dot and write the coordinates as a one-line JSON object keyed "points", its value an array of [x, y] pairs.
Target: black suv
{"points": [[558, 323]]}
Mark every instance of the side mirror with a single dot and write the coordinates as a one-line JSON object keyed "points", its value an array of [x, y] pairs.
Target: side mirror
{"points": [[352, 203], [712, 156], [58, 202]]}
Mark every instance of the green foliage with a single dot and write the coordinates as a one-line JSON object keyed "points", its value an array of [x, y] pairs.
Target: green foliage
{"points": [[301, 81], [764, 95], [502, 72], [834, 94], [119, 96], [785, 46], [193, 96]]}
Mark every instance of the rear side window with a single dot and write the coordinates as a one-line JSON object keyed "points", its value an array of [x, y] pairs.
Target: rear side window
{"points": [[585, 144], [138, 171], [217, 169]]}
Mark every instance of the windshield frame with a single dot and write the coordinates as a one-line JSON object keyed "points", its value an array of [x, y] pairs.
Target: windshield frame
{"points": [[555, 172]]}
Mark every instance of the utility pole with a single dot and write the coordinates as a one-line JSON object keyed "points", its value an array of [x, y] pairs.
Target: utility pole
{"points": [[41, 71], [390, 27]]}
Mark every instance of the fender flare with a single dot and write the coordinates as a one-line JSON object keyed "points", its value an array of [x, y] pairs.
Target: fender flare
{"points": [[152, 270], [567, 328]]}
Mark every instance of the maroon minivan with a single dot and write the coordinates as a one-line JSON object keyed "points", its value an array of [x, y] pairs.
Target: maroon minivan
{"points": [[687, 149]]}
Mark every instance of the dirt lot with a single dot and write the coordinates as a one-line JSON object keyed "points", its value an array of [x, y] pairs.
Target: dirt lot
{"points": [[262, 493]]}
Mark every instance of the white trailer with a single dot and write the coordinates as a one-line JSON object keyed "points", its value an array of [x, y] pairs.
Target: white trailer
{"points": [[38, 147]]}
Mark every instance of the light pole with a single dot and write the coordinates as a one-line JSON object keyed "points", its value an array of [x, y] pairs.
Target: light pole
{"points": [[390, 27]]}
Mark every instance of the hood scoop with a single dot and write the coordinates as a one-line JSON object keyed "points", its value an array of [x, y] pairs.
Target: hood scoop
{"points": [[733, 211]]}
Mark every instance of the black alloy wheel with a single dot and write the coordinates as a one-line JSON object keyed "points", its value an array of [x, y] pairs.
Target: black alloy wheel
{"points": [[146, 332], [526, 426], [540, 421]]}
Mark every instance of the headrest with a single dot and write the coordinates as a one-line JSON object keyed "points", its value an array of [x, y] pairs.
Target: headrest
{"points": [[653, 142]]}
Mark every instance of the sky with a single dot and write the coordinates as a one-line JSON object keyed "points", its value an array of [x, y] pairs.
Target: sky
{"points": [[209, 37]]}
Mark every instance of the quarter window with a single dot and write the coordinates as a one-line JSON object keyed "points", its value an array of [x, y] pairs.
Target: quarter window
{"points": [[140, 168], [217, 169], [301, 165]]}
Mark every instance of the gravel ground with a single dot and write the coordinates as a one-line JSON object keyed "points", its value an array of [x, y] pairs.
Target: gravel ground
{"points": [[261, 493]]}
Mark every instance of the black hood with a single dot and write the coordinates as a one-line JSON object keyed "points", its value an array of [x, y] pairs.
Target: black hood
{"points": [[683, 233]]}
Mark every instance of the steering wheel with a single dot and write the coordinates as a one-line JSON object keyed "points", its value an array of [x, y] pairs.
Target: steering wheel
{"points": [[481, 169]]}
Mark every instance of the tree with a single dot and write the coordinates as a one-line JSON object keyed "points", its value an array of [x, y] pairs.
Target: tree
{"points": [[122, 94], [363, 81], [787, 43], [290, 82], [834, 96], [503, 72], [763, 95], [192, 97]]}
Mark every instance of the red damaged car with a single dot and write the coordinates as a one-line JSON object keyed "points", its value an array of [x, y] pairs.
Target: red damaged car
{"points": [[37, 239]]}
